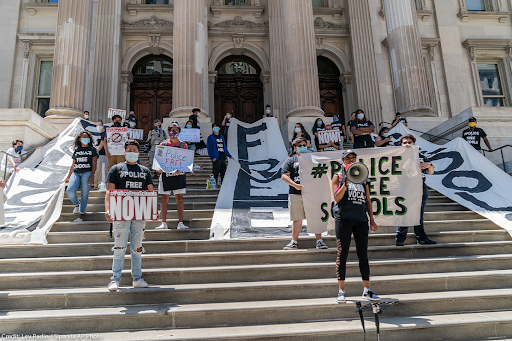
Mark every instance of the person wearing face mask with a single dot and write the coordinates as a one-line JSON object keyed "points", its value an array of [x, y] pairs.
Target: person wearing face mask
{"points": [[132, 123], [155, 137], [361, 129], [196, 112], [268, 111], [191, 145], [112, 159], [318, 126], [11, 163], [350, 136], [175, 183], [132, 176], [473, 135], [226, 122], [398, 119], [426, 168], [329, 146], [102, 165], [81, 172], [86, 115], [131, 117], [383, 140], [217, 151], [337, 124], [300, 131], [290, 175]]}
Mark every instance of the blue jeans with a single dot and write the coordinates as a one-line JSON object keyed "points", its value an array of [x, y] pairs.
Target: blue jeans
{"points": [[121, 230], [79, 180], [419, 231]]}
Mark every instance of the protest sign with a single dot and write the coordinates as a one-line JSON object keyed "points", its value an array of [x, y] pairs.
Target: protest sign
{"points": [[116, 138], [128, 205], [326, 136], [170, 159], [136, 134], [120, 112], [395, 189], [190, 135]]}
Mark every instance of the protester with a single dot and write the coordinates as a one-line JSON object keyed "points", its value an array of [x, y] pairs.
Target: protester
{"points": [[339, 125], [175, 183], [3, 198], [102, 165], [383, 140], [85, 158], [86, 115], [226, 122], [268, 111], [132, 123], [11, 162], [361, 129], [351, 212], [217, 151], [127, 175], [290, 175], [155, 137], [329, 146], [196, 112], [113, 159], [426, 168], [398, 119], [131, 118], [350, 136], [318, 126], [473, 135], [300, 131], [191, 145]]}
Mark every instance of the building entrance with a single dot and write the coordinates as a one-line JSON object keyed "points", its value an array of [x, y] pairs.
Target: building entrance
{"points": [[331, 96]]}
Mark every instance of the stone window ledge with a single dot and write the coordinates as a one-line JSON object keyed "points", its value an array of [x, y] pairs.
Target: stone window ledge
{"points": [[466, 15], [217, 10], [135, 8], [335, 12], [32, 7], [425, 14]]}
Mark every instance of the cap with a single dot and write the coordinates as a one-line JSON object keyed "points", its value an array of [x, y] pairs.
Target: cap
{"points": [[156, 121], [174, 124], [131, 119], [472, 119], [347, 153]]}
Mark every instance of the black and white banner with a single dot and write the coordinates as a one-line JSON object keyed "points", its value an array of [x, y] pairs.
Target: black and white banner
{"points": [[35, 193], [467, 177]]}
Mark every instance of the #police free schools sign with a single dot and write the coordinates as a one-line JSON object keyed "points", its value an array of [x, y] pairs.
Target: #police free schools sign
{"points": [[128, 205]]}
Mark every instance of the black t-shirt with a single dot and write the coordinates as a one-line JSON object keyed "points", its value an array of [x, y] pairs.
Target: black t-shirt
{"points": [[353, 204], [83, 159], [125, 176], [363, 124], [220, 147], [401, 119], [315, 130], [291, 166], [102, 151], [386, 143], [337, 126], [306, 136], [473, 136], [424, 159]]}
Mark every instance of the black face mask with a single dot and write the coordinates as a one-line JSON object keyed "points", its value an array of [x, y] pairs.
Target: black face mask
{"points": [[117, 124]]}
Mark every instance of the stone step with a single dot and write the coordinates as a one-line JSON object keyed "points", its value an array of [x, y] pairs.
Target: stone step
{"points": [[171, 214], [171, 206], [104, 226]]}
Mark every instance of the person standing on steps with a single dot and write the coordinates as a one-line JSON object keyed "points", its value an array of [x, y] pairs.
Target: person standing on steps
{"points": [[172, 183], [127, 175], [339, 125], [351, 212], [81, 172], [426, 168], [226, 122], [113, 159], [473, 135], [290, 175], [218, 152], [102, 165], [398, 119], [361, 130], [383, 140], [155, 137]]}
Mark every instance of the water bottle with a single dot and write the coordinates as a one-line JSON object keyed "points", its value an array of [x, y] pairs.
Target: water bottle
{"points": [[212, 182], [217, 232]]}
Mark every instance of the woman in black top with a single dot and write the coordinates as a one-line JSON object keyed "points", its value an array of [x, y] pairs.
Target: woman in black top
{"points": [[318, 126], [354, 204], [383, 140], [102, 165], [362, 129], [299, 131]]}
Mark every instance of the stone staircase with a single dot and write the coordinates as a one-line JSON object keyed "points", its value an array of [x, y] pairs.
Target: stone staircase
{"points": [[251, 288]]}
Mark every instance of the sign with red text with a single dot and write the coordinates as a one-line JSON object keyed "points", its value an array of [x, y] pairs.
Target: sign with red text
{"points": [[136, 134], [112, 112], [116, 138], [326, 136], [128, 205], [170, 159]]}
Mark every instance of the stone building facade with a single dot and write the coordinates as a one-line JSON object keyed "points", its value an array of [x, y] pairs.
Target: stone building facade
{"points": [[437, 61]]}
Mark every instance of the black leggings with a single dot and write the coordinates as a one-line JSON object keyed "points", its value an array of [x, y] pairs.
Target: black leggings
{"points": [[344, 230], [219, 166]]}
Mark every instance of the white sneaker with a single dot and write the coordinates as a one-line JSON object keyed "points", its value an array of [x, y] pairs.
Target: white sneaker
{"points": [[140, 283], [163, 226], [321, 245], [113, 286], [341, 297], [76, 209], [369, 295], [78, 220], [291, 246], [182, 226]]}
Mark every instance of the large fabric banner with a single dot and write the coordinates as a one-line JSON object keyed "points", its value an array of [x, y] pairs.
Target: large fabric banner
{"points": [[395, 189], [35, 193], [467, 177]]}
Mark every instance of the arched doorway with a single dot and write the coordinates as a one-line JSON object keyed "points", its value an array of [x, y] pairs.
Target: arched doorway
{"points": [[238, 89], [151, 90], [331, 97]]}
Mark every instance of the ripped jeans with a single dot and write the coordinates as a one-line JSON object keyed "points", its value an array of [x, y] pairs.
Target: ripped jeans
{"points": [[121, 230]]}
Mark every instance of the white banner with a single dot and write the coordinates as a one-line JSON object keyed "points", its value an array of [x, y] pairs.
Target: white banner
{"points": [[326, 136], [190, 135], [120, 112], [136, 134], [170, 159], [127, 205], [116, 138], [467, 177], [395, 189]]}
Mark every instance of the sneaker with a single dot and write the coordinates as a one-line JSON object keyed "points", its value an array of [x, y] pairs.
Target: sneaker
{"points": [[369, 295], [113, 286], [291, 246], [78, 220], [341, 297], [182, 226], [321, 245], [77, 209], [140, 283], [399, 243], [426, 241], [163, 226]]}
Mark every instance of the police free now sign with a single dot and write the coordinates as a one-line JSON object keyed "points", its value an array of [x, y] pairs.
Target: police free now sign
{"points": [[126, 205], [170, 159]]}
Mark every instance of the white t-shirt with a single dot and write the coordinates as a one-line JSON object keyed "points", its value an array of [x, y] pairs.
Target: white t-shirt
{"points": [[16, 160]]}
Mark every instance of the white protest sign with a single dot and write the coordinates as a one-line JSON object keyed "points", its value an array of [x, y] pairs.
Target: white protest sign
{"points": [[128, 205], [190, 135], [170, 159], [113, 111], [136, 134], [326, 136], [116, 138], [395, 189]]}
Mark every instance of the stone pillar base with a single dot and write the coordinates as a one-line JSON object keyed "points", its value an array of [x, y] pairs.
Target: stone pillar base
{"points": [[420, 110], [186, 112], [63, 113], [309, 111]]}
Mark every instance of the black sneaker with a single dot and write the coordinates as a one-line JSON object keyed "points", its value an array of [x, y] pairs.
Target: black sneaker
{"points": [[292, 246], [399, 243], [369, 295], [426, 241]]}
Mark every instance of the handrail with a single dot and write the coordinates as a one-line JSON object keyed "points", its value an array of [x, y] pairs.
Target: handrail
{"points": [[422, 132], [13, 156], [502, 157]]}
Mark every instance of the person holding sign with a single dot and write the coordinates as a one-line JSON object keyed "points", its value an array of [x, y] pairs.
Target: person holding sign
{"points": [[329, 145], [132, 176], [155, 137], [351, 212], [113, 159], [173, 183]]}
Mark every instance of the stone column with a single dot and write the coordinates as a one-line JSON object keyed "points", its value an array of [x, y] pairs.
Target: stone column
{"points": [[407, 65], [365, 78], [70, 58], [190, 76], [301, 66]]}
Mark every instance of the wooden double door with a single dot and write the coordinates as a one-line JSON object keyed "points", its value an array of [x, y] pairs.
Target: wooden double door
{"points": [[331, 97]]}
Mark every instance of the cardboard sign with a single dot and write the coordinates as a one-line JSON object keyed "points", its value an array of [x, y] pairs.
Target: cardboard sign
{"points": [[120, 112], [136, 134], [190, 135], [170, 159], [128, 205], [326, 136], [116, 138]]}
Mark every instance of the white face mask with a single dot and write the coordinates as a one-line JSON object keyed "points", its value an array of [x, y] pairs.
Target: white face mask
{"points": [[298, 130], [405, 144], [385, 134], [86, 117], [100, 128]]}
